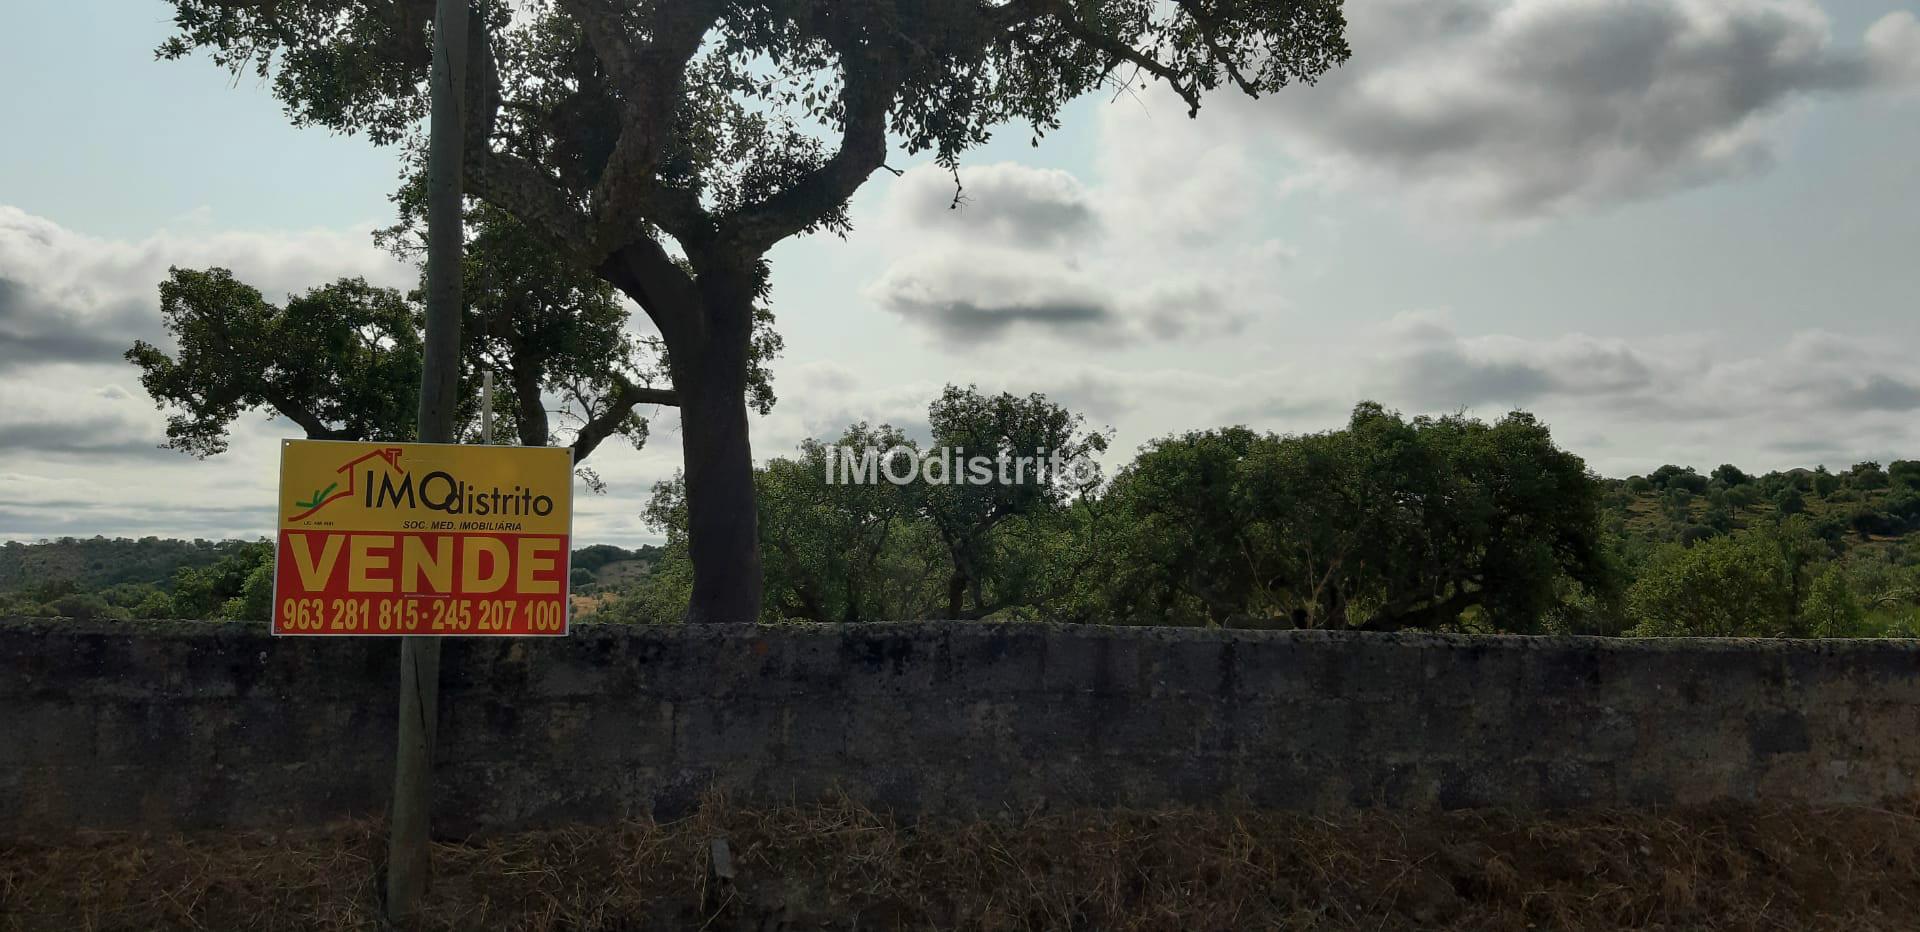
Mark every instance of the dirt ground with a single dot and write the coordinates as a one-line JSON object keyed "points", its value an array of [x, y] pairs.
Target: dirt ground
{"points": [[838, 866]]}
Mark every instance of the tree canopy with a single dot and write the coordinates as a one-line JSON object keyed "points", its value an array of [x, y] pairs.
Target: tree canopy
{"points": [[861, 550], [966, 515], [342, 360], [1435, 523], [1760, 582], [1389, 523]]}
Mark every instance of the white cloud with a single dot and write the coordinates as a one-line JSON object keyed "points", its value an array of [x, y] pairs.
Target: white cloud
{"points": [[68, 410], [1674, 398], [1893, 46], [69, 297], [79, 439], [1004, 204], [1036, 252], [1423, 358], [1420, 359], [980, 294], [1517, 109], [80, 455]]}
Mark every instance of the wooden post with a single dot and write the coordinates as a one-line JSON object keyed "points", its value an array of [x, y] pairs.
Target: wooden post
{"points": [[408, 867]]}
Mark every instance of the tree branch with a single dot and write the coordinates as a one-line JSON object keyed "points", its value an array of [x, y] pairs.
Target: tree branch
{"points": [[649, 78], [516, 186], [1210, 32], [600, 22], [644, 271], [675, 210], [865, 97], [1018, 13], [301, 415], [1426, 616], [626, 397], [1063, 13]]}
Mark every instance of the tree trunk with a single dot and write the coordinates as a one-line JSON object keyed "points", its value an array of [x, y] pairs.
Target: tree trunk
{"points": [[708, 327], [956, 594], [1433, 616], [723, 528], [530, 414]]}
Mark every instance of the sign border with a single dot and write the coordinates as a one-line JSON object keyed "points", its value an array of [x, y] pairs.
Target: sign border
{"points": [[566, 615]]}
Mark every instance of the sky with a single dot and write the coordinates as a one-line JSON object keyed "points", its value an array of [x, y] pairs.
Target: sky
{"points": [[1675, 230]]}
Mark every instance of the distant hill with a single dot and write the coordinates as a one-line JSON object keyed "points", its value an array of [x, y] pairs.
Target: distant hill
{"points": [[97, 563], [94, 563], [1865, 508], [603, 566]]}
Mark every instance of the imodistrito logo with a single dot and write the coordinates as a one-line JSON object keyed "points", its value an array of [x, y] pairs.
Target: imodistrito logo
{"points": [[378, 480], [411, 538], [321, 498]]}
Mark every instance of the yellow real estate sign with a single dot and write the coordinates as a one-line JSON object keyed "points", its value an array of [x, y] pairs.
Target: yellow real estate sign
{"points": [[422, 539]]}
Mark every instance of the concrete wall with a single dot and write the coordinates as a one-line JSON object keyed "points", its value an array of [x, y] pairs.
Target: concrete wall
{"points": [[173, 725]]}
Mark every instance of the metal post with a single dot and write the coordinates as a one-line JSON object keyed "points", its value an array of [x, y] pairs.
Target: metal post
{"points": [[407, 853]]}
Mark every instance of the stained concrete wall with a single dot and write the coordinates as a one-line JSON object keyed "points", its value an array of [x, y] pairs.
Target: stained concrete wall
{"points": [[179, 725]]}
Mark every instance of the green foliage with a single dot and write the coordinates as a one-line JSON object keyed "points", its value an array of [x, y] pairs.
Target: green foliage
{"points": [[660, 597], [842, 551], [230, 580], [1719, 513], [596, 556], [1578, 609], [1677, 501], [1184, 554], [743, 105], [1831, 609], [156, 604], [1754, 583], [1438, 523], [1444, 523], [1860, 526], [342, 360], [82, 606], [1730, 476], [1430, 523], [1824, 483], [861, 551], [1868, 476], [549, 328], [1904, 475], [1723, 587], [966, 516], [238, 588], [198, 579], [1678, 477], [101, 563], [1695, 533]]}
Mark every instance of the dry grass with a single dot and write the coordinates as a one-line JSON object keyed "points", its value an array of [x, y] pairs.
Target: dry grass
{"points": [[838, 866]]}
